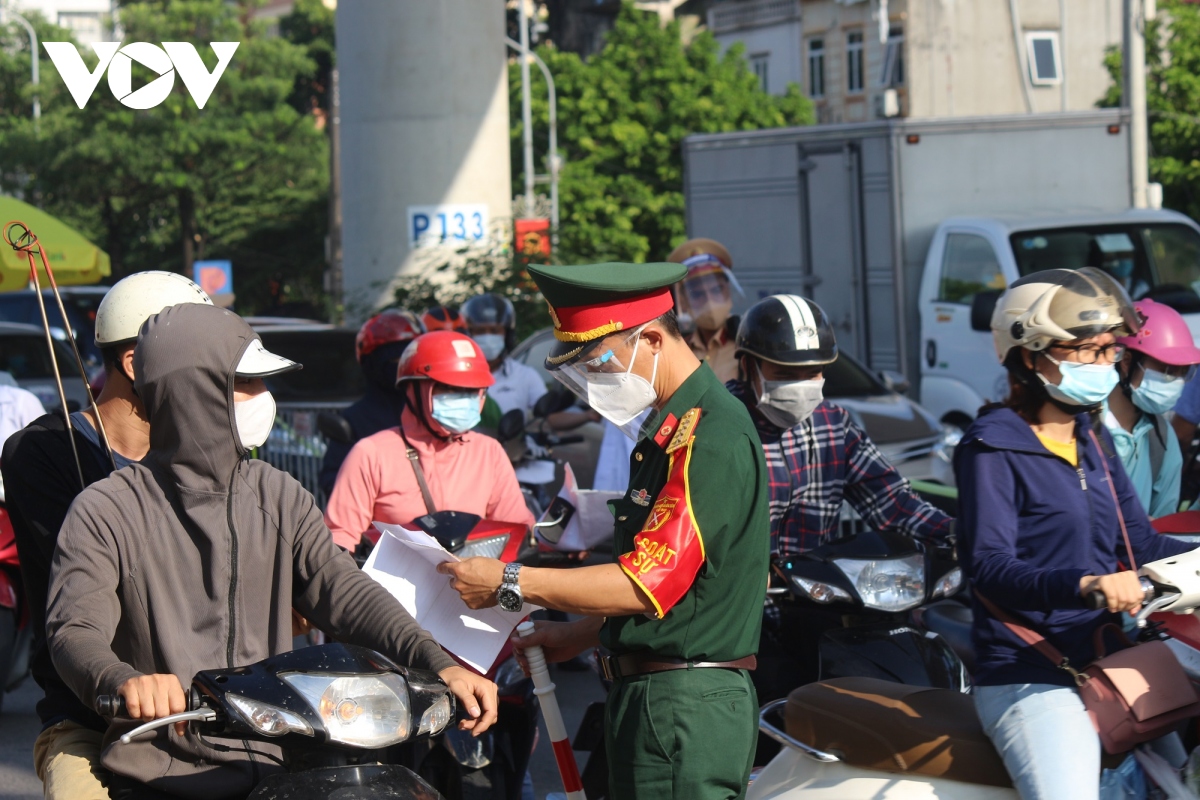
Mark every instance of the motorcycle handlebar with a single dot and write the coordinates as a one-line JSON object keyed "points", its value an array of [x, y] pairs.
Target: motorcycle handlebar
{"points": [[111, 705], [1096, 600]]}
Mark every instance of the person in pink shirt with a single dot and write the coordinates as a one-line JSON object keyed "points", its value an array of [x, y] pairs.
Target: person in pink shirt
{"points": [[445, 375]]}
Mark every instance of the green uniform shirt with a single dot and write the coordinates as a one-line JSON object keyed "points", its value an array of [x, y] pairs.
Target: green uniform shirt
{"points": [[719, 616]]}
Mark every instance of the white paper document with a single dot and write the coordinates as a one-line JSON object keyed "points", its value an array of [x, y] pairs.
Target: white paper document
{"points": [[592, 522], [405, 563]]}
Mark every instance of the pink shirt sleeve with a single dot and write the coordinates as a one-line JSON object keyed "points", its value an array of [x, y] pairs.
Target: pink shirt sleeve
{"points": [[352, 503], [506, 504]]}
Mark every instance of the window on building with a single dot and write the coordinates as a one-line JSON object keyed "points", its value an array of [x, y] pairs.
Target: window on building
{"points": [[854, 61], [816, 68], [1045, 65], [87, 27], [969, 266], [759, 63], [893, 58]]}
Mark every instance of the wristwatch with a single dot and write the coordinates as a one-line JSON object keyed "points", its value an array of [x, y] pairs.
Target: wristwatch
{"points": [[509, 594]]}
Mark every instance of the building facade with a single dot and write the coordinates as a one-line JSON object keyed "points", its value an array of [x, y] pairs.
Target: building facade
{"points": [[88, 20], [865, 59]]}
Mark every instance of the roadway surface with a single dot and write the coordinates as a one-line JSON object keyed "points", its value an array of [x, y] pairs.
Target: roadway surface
{"points": [[19, 727]]}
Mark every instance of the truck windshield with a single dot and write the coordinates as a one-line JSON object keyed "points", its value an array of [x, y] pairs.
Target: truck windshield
{"points": [[1161, 262]]}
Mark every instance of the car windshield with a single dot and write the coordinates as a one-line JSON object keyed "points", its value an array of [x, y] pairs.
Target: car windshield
{"points": [[330, 374], [24, 356], [1161, 262]]}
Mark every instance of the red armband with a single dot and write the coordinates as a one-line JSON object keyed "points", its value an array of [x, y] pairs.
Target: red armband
{"points": [[669, 550]]}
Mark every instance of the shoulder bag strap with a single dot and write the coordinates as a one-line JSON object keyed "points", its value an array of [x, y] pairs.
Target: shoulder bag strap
{"points": [[415, 459], [1026, 635], [1112, 489]]}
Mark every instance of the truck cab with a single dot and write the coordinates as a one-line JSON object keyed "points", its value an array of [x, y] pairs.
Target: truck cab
{"points": [[1153, 253]]}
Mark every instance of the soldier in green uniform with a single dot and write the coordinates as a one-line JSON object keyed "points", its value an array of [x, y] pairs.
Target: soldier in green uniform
{"points": [[680, 609]]}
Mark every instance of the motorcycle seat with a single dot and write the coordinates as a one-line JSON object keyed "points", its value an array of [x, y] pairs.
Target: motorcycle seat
{"points": [[893, 727], [952, 621]]}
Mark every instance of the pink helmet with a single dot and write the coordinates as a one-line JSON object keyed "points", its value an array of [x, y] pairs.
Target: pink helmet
{"points": [[1164, 335]]}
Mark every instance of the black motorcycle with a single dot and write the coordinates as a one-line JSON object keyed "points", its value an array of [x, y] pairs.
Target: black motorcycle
{"points": [[336, 711]]}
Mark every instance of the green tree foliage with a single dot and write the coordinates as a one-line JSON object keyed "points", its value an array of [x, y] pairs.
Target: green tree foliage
{"points": [[244, 178], [622, 117], [1172, 101]]}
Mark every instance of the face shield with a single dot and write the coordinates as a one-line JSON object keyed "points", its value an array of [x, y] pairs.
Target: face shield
{"points": [[604, 379], [707, 292], [1091, 302]]}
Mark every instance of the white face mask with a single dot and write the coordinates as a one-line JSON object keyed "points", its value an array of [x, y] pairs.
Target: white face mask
{"points": [[621, 396], [254, 418], [788, 403]]}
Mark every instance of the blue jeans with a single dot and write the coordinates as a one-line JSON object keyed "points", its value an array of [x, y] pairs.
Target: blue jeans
{"points": [[1045, 738]]}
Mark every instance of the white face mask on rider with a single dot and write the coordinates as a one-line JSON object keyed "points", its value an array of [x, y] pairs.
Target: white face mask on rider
{"points": [[788, 403], [255, 417]]}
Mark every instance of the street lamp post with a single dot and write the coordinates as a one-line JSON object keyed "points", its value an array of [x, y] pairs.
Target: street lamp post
{"points": [[33, 59], [552, 159], [526, 115]]}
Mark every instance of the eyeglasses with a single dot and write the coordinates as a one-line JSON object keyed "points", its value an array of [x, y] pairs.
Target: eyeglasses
{"points": [[608, 361], [1094, 353]]}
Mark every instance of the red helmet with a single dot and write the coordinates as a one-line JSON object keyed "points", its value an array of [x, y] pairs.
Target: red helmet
{"points": [[447, 357], [443, 318], [386, 327]]}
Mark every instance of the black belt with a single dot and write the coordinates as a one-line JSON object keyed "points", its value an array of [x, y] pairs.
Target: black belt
{"points": [[613, 667]]}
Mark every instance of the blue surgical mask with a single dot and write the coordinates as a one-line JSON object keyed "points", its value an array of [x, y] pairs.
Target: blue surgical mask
{"points": [[492, 345], [456, 411], [1158, 392], [1081, 384], [1123, 268]]}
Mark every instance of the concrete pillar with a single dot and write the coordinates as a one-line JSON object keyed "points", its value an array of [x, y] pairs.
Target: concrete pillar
{"points": [[424, 125]]}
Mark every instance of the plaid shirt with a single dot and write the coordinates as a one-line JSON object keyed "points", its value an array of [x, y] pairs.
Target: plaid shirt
{"points": [[822, 461]]}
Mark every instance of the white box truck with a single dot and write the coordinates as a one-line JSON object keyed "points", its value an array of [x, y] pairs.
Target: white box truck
{"points": [[905, 231]]}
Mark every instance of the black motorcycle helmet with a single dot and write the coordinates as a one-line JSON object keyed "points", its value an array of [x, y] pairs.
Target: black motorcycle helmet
{"points": [[787, 329], [490, 309]]}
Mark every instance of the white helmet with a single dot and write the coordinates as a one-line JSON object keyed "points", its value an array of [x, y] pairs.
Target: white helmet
{"points": [[133, 300], [1060, 305]]}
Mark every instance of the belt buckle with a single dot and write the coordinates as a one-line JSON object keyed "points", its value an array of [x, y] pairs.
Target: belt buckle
{"points": [[606, 668]]}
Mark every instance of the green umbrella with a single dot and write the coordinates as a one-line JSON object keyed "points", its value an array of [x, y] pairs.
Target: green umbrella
{"points": [[73, 258]]}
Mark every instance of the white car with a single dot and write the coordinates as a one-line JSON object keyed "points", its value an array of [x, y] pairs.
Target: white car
{"points": [[1154, 254]]}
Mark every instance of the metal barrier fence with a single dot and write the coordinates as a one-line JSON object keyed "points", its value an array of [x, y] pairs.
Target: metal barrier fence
{"points": [[297, 447]]}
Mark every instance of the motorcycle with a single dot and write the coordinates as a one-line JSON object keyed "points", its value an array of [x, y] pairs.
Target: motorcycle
{"points": [[531, 451], [297, 701], [463, 767], [16, 634], [851, 738]]}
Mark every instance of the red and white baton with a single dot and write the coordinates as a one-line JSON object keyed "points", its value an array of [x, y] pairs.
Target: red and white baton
{"points": [[543, 687]]}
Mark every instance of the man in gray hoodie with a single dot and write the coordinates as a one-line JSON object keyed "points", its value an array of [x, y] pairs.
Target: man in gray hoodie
{"points": [[193, 558]]}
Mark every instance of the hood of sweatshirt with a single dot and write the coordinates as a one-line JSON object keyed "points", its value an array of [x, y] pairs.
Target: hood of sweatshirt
{"points": [[184, 373]]}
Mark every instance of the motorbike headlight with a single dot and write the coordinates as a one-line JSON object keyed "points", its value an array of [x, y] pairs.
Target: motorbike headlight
{"points": [[820, 592], [491, 547], [267, 719], [893, 584], [361, 710], [949, 583], [436, 717]]}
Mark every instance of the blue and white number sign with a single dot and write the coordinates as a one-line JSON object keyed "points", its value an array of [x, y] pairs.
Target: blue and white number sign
{"points": [[458, 223]]}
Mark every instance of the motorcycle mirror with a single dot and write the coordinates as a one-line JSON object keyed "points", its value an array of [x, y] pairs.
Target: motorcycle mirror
{"points": [[511, 425], [981, 309], [552, 402], [450, 528], [335, 428]]}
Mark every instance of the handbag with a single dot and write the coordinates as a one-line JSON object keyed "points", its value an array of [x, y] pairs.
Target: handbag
{"points": [[1132, 696]]}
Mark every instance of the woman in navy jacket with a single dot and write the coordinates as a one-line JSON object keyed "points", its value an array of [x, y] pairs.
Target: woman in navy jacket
{"points": [[1039, 527]]}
